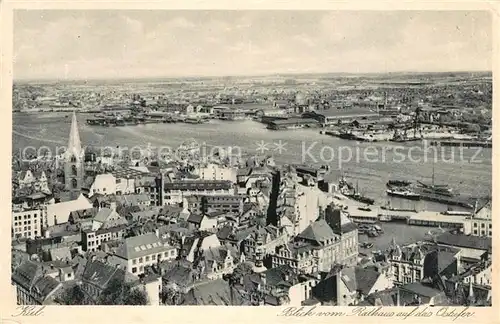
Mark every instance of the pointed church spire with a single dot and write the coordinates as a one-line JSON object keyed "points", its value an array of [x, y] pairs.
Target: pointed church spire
{"points": [[74, 145]]}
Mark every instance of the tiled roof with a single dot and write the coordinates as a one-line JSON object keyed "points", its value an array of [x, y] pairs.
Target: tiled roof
{"points": [[61, 253], [44, 287], [419, 289], [436, 262], [359, 279], [465, 241], [127, 173], [100, 274], [103, 215], [142, 245], [318, 231], [26, 274], [216, 292], [195, 218], [282, 275], [133, 199]]}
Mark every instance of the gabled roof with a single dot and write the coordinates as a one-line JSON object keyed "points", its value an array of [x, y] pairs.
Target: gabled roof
{"points": [[61, 253], [215, 292], [26, 274], [436, 262], [100, 274], [44, 287], [283, 275], [318, 232], [103, 215], [142, 245], [359, 279], [418, 289], [195, 218]]}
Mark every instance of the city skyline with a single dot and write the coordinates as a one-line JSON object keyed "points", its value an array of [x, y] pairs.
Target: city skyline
{"points": [[164, 44]]}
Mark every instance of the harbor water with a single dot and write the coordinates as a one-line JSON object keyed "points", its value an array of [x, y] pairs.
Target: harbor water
{"points": [[468, 171]]}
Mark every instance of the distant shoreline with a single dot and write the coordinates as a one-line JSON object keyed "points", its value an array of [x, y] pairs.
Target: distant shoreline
{"points": [[276, 75]]}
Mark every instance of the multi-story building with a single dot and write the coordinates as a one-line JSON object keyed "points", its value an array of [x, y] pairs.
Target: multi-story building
{"points": [[300, 256], [27, 223], [59, 213], [348, 234], [415, 262], [267, 239], [218, 261], [151, 186], [174, 192], [92, 239], [218, 172], [104, 184], [292, 205], [407, 263], [480, 223], [145, 250], [330, 240], [222, 203], [37, 181], [33, 286]]}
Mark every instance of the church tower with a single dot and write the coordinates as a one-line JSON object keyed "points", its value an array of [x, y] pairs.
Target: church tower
{"points": [[73, 161]]}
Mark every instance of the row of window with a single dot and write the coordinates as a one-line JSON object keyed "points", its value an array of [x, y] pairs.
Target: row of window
{"points": [[148, 258], [24, 223], [20, 229], [482, 225], [483, 233], [27, 216]]}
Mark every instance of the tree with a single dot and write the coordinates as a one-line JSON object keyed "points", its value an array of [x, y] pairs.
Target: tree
{"points": [[119, 293], [75, 296], [241, 270]]}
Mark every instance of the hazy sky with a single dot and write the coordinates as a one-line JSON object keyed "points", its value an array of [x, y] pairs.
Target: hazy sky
{"points": [[114, 44]]}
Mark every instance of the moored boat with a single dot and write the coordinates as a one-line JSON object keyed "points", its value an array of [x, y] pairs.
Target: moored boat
{"points": [[398, 183], [406, 194]]}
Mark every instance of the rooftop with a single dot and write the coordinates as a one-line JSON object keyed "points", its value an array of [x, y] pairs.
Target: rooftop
{"points": [[465, 241], [142, 245]]}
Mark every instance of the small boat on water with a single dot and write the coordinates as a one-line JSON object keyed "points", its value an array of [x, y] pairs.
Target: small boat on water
{"points": [[366, 245], [403, 193], [398, 183], [365, 200]]}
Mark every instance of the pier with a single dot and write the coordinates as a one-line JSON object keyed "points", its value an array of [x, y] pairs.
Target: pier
{"points": [[455, 143]]}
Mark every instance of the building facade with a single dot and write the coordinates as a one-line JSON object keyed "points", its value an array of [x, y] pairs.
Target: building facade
{"points": [[27, 223], [174, 192], [145, 250]]}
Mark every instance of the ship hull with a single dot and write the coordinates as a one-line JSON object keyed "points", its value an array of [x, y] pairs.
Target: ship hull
{"points": [[410, 196]]}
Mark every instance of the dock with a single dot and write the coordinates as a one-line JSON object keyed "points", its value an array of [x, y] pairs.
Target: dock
{"points": [[446, 200], [436, 219], [455, 143]]}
